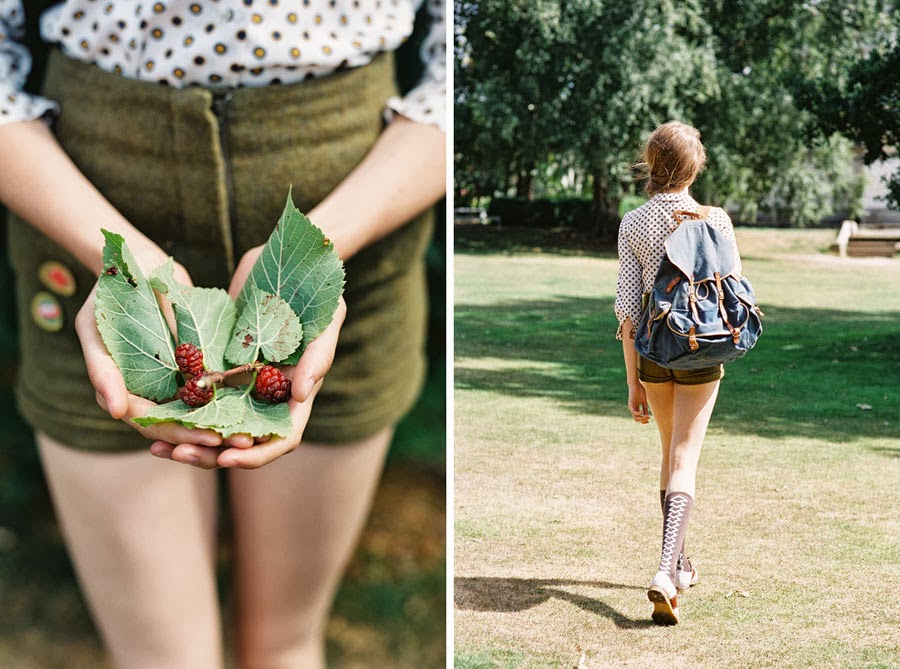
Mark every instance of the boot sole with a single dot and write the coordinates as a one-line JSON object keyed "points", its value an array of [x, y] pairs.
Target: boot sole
{"points": [[663, 612]]}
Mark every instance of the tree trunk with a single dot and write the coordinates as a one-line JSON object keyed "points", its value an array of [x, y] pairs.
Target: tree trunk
{"points": [[604, 208], [525, 185]]}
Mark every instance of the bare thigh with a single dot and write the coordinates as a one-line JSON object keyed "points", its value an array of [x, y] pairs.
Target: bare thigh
{"points": [[692, 410], [296, 523], [141, 533], [661, 398]]}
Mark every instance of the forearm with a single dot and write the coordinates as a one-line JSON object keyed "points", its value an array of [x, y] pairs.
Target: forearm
{"points": [[40, 183], [628, 351], [403, 174]]}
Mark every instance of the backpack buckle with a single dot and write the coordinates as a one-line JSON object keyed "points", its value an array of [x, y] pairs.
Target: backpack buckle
{"points": [[692, 299]]}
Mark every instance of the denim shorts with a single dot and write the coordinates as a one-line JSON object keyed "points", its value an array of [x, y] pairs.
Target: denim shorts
{"points": [[650, 372]]}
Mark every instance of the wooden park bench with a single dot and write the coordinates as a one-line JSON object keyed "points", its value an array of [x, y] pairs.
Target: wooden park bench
{"points": [[858, 241]]}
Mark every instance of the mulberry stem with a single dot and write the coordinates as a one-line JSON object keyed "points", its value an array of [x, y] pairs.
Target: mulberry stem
{"points": [[213, 378]]}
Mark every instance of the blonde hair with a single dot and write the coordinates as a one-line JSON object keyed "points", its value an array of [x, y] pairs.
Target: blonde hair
{"points": [[672, 158]]}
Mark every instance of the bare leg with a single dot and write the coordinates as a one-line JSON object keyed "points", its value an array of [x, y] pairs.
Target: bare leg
{"points": [[661, 397], [682, 414], [141, 533], [693, 407], [296, 523]]}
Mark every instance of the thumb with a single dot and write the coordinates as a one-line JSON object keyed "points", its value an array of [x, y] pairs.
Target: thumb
{"points": [[102, 370], [318, 357]]}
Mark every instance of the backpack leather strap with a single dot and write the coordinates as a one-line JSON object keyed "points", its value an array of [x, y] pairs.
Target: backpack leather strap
{"points": [[681, 214], [735, 331]]}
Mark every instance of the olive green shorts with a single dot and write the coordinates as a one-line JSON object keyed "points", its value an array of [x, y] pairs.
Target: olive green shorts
{"points": [[650, 372], [205, 175]]}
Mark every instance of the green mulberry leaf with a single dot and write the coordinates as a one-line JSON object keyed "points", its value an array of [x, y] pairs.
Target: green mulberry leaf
{"points": [[232, 411], [132, 325], [225, 411], [262, 418], [203, 316], [301, 265], [266, 325]]}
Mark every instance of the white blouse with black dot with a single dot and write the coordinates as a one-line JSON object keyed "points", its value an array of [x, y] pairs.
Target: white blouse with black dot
{"points": [[226, 43], [642, 236]]}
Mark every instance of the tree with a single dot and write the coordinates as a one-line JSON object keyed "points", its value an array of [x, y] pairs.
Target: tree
{"points": [[865, 107], [629, 67], [506, 102], [767, 144], [583, 82]]}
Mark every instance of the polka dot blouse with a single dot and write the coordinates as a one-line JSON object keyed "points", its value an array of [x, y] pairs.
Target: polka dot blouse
{"points": [[642, 235], [226, 43]]}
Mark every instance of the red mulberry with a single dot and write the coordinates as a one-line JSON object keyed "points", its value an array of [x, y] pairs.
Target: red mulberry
{"points": [[189, 359], [195, 396], [272, 385]]}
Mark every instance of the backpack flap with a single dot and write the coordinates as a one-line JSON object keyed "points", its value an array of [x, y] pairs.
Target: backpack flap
{"points": [[699, 250], [700, 312]]}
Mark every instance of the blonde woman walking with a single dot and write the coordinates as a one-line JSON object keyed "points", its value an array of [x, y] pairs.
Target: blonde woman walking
{"points": [[681, 401]]}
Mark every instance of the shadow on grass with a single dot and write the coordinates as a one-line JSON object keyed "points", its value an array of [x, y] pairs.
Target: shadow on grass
{"points": [[889, 451], [816, 373], [508, 595], [561, 348]]}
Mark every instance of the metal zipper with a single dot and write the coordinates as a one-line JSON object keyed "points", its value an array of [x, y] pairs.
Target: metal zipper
{"points": [[220, 102]]}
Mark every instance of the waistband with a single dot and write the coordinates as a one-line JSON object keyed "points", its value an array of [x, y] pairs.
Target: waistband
{"points": [[313, 96]]}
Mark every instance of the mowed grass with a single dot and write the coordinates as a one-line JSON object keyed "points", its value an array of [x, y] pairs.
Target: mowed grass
{"points": [[795, 530]]}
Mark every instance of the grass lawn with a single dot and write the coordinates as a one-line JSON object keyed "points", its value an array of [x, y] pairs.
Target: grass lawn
{"points": [[557, 523]]}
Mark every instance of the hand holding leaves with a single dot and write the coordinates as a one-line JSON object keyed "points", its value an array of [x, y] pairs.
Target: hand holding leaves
{"points": [[290, 296], [112, 394], [312, 367]]}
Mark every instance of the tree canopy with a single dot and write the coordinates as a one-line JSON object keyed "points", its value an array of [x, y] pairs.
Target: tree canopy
{"points": [[779, 90]]}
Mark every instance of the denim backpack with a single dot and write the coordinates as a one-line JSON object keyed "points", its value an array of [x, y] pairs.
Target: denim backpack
{"points": [[700, 311]]}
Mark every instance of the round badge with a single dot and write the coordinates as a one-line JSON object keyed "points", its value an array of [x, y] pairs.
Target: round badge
{"points": [[57, 277], [47, 312]]}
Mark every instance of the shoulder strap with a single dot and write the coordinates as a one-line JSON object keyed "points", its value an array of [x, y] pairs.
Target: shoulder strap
{"points": [[681, 214]]}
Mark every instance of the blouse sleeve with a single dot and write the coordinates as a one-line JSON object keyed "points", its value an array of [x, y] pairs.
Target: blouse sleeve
{"points": [[426, 102], [628, 286], [15, 64]]}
